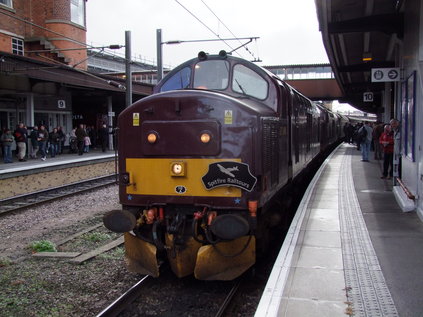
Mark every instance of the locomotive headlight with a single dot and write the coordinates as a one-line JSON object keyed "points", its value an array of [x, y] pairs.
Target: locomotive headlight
{"points": [[177, 169], [152, 137], [205, 137]]}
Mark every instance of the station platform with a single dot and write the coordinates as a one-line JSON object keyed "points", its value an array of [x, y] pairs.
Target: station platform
{"points": [[20, 178], [350, 249]]}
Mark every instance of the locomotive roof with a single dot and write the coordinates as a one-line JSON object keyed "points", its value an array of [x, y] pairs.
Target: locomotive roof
{"points": [[237, 77]]}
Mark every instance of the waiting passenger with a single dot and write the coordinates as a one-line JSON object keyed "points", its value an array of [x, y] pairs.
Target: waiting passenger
{"points": [[54, 139], [42, 141], [87, 143], [80, 137], [21, 134], [7, 139], [387, 141], [34, 142], [365, 139]]}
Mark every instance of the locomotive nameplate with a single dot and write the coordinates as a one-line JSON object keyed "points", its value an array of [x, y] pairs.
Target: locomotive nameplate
{"points": [[229, 173]]}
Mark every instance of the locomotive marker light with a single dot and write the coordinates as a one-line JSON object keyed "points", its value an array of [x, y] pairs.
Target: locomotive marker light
{"points": [[152, 137], [205, 137], [177, 169]]}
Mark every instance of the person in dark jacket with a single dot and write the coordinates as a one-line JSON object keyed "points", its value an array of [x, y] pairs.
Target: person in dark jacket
{"points": [[7, 139], [62, 137], [54, 139], [21, 134], [387, 141], [34, 142], [42, 141], [104, 137], [80, 137]]}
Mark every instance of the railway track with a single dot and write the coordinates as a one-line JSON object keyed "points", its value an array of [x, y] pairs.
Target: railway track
{"points": [[125, 299], [24, 201], [130, 297]]}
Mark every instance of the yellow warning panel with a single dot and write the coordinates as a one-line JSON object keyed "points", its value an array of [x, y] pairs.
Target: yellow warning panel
{"points": [[136, 119], [228, 116], [155, 177]]}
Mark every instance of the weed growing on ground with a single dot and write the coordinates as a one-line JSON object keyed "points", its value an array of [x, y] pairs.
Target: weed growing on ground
{"points": [[5, 261], [114, 254], [96, 236], [43, 246]]}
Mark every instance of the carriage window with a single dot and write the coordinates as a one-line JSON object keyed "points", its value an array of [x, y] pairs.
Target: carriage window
{"points": [[248, 82], [180, 80], [213, 74]]}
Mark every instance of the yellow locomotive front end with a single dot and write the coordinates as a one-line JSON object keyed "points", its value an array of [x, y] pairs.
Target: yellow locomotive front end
{"points": [[211, 244]]}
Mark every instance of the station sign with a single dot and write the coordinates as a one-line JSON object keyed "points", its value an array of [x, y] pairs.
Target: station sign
{"points": [[385, 74], [61, 104], [368, 96]]}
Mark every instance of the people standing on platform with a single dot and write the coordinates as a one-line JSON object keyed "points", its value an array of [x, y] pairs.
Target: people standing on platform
{"points": [[377, 132], [34, 142], [365, 138], [387, 141], [357, 128], [93, 136], [62, 139], [42, 141], [104, 137], [73, 144], [7, 139], [395, 126], [87, 143], [80, 137], [54, 140], [21, 134]]}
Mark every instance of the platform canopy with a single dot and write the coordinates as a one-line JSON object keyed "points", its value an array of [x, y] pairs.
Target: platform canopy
{"points": [[361, 35]]}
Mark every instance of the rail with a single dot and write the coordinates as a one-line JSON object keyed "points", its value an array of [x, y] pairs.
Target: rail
{"points": [[24, 201], [405, 189], [124, 300], [228, 299]]}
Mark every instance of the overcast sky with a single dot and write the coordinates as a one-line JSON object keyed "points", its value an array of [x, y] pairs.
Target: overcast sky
{"points": [[288, 30]]}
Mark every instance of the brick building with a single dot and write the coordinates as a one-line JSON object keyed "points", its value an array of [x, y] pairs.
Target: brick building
{"points": [[44, 29], [43, 68]]}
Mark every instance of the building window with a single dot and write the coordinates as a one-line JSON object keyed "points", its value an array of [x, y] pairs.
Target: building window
{"points": [[78, 12], [7, 3], [17, 46]]}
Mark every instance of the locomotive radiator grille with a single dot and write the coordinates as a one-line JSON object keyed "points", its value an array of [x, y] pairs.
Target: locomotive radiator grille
{"points": [[271, 149]]}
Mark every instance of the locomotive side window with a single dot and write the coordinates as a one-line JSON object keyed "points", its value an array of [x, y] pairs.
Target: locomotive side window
{"points": [[180, 80], [212, 74], [248, 82]]}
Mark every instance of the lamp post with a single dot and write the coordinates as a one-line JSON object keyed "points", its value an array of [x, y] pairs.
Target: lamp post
{"points": [[160, 50], [128, 73]]}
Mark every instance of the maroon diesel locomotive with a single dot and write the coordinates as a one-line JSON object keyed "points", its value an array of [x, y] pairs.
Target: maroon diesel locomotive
{"points": [[201, 159]]}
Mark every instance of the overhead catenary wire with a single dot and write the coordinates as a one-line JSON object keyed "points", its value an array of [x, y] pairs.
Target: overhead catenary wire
{"points": [[227, 28], [207, 27]]}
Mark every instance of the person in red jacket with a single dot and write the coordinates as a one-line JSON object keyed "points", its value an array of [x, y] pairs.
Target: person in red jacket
{"points": [[387, 142]]}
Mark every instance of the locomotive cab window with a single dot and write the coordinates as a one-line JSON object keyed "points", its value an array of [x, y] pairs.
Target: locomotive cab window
{"points": [[247, 82], [211, 74], [180, 80]]}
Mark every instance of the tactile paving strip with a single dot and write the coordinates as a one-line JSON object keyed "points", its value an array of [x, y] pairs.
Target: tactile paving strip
{"points": [[365, 285]]}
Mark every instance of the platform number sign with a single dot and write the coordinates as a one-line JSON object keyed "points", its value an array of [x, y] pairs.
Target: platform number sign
{"points": [[61, 104], [368, 96]]}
